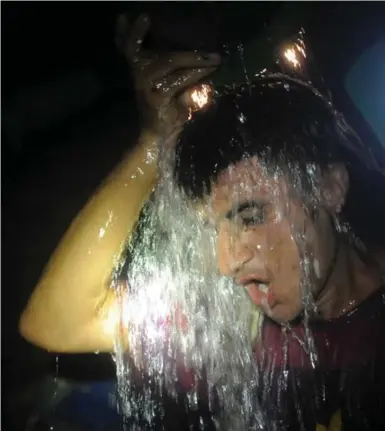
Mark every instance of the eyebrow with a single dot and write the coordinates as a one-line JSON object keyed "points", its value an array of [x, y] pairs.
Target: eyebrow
{"points": [[237, 209]]}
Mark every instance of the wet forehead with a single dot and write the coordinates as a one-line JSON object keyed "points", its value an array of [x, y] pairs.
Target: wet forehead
{"points": [[244, 181]]}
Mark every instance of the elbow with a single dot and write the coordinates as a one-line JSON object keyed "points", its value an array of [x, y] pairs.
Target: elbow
{"points": [[37, 334], [56, 330], [56, 339], [32, 333]]}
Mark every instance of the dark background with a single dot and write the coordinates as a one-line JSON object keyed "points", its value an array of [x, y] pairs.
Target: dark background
{"points": [[50, 168]]}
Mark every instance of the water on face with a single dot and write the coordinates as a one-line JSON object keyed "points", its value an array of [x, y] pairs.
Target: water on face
{"points": [[184, 318]]}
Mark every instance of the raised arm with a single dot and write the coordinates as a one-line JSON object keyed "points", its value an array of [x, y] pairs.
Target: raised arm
{"points": [[72, 302]]}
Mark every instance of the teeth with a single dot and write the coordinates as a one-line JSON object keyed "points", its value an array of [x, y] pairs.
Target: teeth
{"points": [[263, 288]]}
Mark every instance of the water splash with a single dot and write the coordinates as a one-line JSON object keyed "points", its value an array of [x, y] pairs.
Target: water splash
{"points": [[184, 319], [189, 327], [192, 331]]}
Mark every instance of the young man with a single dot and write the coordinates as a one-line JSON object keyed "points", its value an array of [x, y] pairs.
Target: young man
{"points": [[277, 172], [281, 178]]}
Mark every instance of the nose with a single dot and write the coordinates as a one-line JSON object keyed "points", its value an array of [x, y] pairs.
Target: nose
{"points": [[233, 252]]}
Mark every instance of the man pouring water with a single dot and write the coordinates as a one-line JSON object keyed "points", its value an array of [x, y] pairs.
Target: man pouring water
{"points": [[273, 171]]}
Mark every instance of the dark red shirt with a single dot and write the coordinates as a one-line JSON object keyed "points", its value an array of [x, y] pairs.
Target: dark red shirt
{"points": [[342, 388]]}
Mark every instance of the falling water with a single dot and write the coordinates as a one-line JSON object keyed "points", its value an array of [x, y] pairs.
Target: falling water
{"points": [[189, 327], [192, 331], [183, 316]]}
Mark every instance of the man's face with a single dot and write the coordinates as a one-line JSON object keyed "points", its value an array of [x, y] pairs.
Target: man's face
{"points": [[258, 220]]}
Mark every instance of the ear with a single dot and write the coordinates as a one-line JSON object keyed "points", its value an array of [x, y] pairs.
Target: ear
{"points": [[335, 185]]}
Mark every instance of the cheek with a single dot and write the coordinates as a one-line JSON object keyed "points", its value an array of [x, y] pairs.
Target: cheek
{"points": [[227, 246], [277, 246], [282, 259], [223, 248]]}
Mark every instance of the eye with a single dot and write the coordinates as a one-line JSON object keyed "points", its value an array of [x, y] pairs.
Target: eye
{"points": [[251, 221], [253, 217]]}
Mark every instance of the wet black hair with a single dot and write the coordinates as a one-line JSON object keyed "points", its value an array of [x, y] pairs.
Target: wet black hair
{"points": [[277, 119]]}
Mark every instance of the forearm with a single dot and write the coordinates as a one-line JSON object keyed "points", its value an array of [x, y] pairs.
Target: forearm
{"points": [[74, 286], [72, 300], [100, 230]]}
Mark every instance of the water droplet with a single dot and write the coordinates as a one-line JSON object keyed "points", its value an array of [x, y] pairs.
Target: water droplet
{"points": [[241, 118], [242, 57]]}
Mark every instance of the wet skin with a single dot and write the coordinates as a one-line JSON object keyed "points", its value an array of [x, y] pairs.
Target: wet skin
{"points": [[258, 219]]}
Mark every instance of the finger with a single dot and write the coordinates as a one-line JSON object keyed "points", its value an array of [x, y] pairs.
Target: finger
{"points": [[121, 27], [138, 33], [121, 31], [181, 60], [179, 82]]}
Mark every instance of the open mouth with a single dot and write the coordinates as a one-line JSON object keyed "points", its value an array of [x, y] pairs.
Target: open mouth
{"points": [[259, 291], [263, 287]]}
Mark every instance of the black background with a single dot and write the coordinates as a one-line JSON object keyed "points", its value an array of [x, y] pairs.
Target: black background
{"points": [[46, 182]]}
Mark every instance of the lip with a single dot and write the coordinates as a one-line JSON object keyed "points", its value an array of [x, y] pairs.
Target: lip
{"points": [[256, 295]]}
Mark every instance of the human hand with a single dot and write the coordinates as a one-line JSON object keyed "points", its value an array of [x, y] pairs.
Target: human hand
{"points": [[161, 79]]}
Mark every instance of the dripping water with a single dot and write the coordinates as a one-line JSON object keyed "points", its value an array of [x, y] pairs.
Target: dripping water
{"points": [[185, 319], [241, 53], [189, 327]]}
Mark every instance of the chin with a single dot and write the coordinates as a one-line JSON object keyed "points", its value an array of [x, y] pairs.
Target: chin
{"points": [[283, 314]]}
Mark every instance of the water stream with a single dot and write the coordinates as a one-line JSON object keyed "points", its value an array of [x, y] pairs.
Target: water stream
{"points": [[191, 330]]}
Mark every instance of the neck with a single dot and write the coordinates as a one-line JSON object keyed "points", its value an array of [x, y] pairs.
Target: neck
{"points": [[351, 282]]}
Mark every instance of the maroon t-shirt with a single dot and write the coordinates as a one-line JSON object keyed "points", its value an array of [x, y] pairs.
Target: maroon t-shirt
{"points": [[343, 388]]}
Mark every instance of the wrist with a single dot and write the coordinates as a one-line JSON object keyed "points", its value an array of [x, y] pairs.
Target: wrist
{"points": [[148, 147], [148, 140]]}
